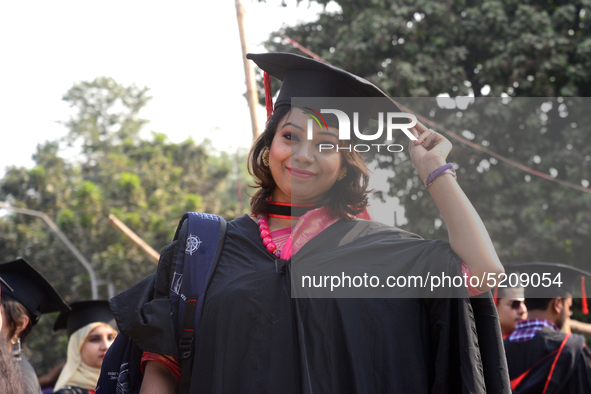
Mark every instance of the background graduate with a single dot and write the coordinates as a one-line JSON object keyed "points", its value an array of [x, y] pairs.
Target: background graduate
{"points": [[510, 307], [31, 296], [255, 338], [541, 358], [91, 331]]}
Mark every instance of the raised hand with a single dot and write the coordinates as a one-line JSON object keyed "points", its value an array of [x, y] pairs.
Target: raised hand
{"points": [[429, 151]]}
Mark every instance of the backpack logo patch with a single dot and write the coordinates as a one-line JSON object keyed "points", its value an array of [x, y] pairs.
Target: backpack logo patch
{"points": [[177, 280], [193, 243]]}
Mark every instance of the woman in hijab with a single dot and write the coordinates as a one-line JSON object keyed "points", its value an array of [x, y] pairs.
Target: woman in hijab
{"points": [[31, 296], [91, 333]]}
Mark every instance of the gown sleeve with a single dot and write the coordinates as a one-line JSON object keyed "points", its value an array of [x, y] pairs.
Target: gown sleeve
{"points": [[580, 382], [172, 363]]}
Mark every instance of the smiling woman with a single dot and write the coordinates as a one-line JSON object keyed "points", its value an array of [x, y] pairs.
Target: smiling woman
{"points": [[313, 172], [257, 334]]}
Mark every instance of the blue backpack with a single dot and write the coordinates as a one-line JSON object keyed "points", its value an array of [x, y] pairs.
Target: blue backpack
{"points": [[195, 251]]}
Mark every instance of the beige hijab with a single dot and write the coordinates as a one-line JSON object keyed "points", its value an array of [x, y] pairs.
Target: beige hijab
{"points": [[76, 372]]}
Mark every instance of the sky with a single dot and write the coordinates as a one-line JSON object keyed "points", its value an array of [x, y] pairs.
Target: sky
{"points": [[187, 52]]}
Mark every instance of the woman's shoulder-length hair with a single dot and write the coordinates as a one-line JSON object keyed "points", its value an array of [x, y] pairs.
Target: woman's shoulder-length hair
{"points": [[347, 197]]}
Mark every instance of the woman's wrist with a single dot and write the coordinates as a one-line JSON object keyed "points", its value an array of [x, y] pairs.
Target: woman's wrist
{"points": [[446, 169], [430, 166]]}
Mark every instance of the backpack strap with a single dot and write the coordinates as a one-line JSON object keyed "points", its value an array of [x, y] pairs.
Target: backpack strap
{"points": [[200, 248]]}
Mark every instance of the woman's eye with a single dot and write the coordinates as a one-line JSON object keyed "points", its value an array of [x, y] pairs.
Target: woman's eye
{"points": [[290, 136]]}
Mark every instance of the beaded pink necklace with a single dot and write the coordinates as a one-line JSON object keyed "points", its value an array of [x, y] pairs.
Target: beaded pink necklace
{"points": [[307, 227], [266, 236]]}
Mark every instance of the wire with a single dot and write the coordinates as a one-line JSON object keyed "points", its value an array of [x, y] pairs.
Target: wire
{"points": [[457, 137]]}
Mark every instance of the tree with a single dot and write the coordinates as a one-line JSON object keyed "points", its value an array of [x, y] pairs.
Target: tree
{"points": [[146, 183]]}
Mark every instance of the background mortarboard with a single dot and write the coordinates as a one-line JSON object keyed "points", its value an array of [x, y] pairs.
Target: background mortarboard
{"points": [[509, 291], [84, 313], [568, 276], [517, 292], [31, 289], [304, 77]]}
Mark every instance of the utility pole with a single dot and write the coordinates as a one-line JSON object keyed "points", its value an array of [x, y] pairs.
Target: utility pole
{"points": [[251, 88], [64, 239], [133, 237]]}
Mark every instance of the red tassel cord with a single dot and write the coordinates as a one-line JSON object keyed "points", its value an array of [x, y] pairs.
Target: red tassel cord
{"points": [[268, 95], [584, 307]]}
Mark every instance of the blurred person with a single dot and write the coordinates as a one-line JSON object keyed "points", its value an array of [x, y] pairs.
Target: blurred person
{"points": [[22, 308], [91, 331], [579, 327], [10, 383], [541, 358], [510, 307]]}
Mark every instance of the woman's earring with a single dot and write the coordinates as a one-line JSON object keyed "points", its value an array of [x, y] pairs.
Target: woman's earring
{"points": [[266, 157], [16, 349], [342, 173]]}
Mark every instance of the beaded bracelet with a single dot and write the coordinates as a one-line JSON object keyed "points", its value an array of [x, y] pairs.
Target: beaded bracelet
{"points": [[444, 169]]}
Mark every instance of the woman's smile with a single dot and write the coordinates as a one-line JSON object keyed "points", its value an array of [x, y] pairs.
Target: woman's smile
{"points": [[300, 173]]}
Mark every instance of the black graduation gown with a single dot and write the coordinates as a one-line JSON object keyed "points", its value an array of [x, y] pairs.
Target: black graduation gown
{"points": [[572, 371], [255, 338]]}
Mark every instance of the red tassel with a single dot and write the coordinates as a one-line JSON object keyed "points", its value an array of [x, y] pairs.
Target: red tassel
{"points": [[268, 95], [584, 294], [496, 294]]}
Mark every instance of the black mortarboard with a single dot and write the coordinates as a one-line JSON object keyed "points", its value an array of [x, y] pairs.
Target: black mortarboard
{"points": [[511, 292], [304, 77], [550, 280], [31, 289], [84, 313]]}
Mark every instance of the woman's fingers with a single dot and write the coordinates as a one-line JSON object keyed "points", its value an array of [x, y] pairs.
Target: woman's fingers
{"points": [[420, 128], [426, 138], [430, 140]]}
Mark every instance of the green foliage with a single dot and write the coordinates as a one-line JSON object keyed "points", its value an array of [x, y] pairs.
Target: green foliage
{"points": [[147, 183], [422, 48], [107, 113]]}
